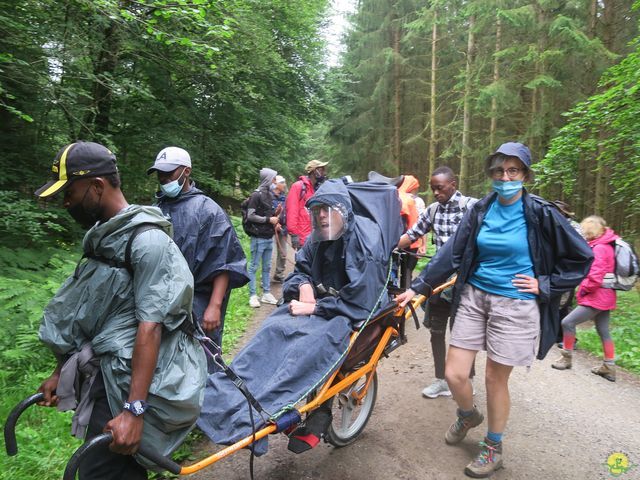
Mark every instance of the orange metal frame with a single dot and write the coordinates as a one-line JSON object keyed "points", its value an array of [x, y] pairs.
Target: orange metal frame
{"points": [[334, 385]]}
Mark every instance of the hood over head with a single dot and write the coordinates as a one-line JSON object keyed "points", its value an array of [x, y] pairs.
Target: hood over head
{"points": [[607, 237], [409, 184], [266, 177], [332, 192]]}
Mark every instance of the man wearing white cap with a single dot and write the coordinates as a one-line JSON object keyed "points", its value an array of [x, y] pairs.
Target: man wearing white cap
{"points": [[298, 221], [205, 236]]}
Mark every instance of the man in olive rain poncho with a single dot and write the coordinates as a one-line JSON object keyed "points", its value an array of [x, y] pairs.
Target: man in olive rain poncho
{"points": [[116, 327]]}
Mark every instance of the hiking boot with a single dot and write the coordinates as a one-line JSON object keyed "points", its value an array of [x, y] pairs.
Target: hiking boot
{"points": [[437, 389], [564, 362], [254, 301], [606, 371], [458, 430], [488, 460], [268, 298]]}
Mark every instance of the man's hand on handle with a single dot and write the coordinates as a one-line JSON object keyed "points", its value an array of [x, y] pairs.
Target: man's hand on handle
{"points": [[48, 387], [405, 297], [126, 429]]}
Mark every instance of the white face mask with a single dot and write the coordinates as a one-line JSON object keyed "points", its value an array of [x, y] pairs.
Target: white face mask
{"points": [[173, 188]]}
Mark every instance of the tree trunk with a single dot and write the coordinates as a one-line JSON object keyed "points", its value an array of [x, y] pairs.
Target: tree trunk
{"points": [[593, 18], [496, 78], [396, 99], [466, 116], [97, 119], [432, 115]]}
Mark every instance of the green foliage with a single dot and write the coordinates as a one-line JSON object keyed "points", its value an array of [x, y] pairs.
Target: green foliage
{"points": [[504, 70], [235, 82], [29, 279], [603, 132], [625, 332], [22, 222]]}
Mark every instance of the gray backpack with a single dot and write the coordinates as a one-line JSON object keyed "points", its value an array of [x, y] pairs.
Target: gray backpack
{"points": [[627, 268]]}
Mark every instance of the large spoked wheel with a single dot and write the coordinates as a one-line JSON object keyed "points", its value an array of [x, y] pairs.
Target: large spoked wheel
{"points": [[352, 409]]}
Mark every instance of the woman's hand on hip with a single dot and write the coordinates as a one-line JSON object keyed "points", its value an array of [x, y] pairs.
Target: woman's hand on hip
{"points": [[526, 284]]}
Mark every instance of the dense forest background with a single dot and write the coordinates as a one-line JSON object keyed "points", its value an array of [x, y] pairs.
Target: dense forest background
{"points": [[235, 82], [444, 82], [244, 84]]}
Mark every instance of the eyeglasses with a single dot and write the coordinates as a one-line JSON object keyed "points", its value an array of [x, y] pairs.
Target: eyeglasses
{"points": [[512, 172]]}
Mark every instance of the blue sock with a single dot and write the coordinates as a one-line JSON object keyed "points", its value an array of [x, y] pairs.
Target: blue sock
{"points": [[494, 437], [465, 413]]}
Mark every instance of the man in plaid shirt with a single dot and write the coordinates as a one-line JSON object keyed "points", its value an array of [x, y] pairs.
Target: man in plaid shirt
{"points": [[441, 218]]}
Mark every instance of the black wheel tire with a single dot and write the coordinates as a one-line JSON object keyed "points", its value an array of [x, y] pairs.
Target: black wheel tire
{"points": [[349, 418]]}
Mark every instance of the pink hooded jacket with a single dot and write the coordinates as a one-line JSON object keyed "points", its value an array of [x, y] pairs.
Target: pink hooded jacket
{"points": [[590, 292]]}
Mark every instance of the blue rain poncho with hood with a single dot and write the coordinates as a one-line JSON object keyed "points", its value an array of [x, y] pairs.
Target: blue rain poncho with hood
{"points": [[208, 242], [100, 305], [290, 354]]}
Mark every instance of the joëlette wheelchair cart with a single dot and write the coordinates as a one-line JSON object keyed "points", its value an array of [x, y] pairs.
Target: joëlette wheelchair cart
{"points": [[353, 388]]}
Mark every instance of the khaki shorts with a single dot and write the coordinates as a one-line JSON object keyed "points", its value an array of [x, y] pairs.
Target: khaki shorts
{"points": [[507, 328]]}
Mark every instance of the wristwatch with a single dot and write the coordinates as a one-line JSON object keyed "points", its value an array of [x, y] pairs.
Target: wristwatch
{"points": [[137, 407]]}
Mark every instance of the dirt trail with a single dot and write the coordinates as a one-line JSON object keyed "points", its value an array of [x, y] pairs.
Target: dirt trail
{"points": [[563, 425]]}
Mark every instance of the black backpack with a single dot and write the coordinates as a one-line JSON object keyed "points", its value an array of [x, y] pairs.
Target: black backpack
{"points": [[249, 228]]}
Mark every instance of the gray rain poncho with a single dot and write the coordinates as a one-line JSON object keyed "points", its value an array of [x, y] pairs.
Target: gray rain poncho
{"points": [[100, 305], [290, 354]]}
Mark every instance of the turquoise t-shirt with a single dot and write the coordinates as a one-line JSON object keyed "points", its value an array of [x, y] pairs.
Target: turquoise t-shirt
{"points": [[503, 251]]}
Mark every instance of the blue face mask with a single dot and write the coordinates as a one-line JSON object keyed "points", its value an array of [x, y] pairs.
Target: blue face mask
{"points": [[173, 189], [507, 190]]}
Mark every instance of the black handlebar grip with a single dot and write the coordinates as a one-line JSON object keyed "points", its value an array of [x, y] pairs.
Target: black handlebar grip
{"points": [[10, 425], [73, 464], [164, 462], [103, 441]]}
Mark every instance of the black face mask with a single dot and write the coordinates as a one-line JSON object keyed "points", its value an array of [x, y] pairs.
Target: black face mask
{"points": [[87, 218], [320, 178]]}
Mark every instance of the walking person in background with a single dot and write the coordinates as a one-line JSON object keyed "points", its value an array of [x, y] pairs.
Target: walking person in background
{"points": [[515, 254], [413, 191], [408, 215], [279, 190], [594, 301], [298, 221], [264, 218], [442, 218], [566, 301], [205, 236]]}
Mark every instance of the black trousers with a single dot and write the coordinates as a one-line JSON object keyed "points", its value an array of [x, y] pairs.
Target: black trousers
{"points": [[102, 463]]}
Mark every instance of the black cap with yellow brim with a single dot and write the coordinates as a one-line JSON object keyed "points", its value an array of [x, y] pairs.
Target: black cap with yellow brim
{"points": [[78, 160]]}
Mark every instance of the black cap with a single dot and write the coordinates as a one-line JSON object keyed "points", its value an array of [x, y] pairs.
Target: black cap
{"points": [[78, 160]]}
